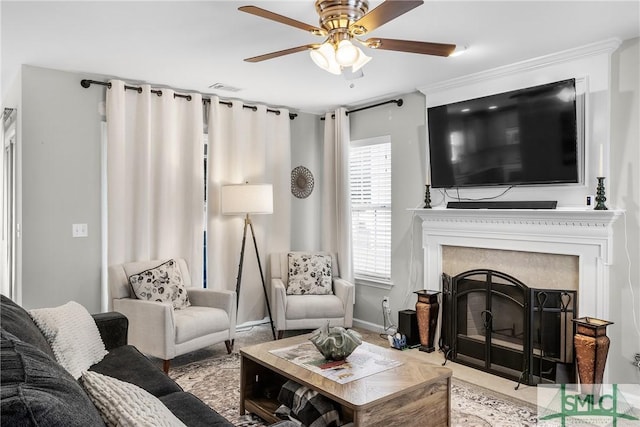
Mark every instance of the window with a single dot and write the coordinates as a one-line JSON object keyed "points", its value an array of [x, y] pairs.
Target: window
{"points": [[370, 180], [8, 190]]}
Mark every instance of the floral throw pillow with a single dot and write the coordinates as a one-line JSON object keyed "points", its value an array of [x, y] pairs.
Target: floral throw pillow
{"points": [[162, 284], [309, 274]]}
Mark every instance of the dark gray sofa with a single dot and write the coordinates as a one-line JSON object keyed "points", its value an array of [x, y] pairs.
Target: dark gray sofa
{"points": [[37, 391]]}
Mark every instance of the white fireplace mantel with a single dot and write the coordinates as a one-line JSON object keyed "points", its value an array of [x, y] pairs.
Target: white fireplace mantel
{"points": [[586, 234]]}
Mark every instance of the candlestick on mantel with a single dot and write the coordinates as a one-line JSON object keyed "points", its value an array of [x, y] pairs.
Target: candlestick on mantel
{"points": [[427, 197], [600, 195]]}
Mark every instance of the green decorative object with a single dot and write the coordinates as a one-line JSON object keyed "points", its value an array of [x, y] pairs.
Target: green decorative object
{"points": [[335, 343], [600, 196], [427, 197]]}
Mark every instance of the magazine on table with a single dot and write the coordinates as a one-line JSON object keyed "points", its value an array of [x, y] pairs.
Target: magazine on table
{"points": [[359, 364]]}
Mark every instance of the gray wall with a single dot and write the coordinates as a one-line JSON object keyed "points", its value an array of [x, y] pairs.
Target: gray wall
{"points": [[60, 186], [624, 191], [406, 127]]}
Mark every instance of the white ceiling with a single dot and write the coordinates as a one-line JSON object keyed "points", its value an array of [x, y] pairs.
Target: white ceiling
{"points": [[191, 45]]}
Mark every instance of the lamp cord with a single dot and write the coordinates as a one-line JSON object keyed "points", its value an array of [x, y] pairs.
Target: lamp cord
{"points": [[633, 296], [388, 324]]}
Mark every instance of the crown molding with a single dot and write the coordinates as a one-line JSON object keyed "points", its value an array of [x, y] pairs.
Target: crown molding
{"points": [[607, 46]]}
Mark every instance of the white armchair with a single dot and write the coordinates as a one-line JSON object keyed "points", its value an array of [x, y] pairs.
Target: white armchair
{"points": [[293, 312], [158, 330]]}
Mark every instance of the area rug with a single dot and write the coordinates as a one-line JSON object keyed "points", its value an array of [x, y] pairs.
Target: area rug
{"points": [[216, 381]]}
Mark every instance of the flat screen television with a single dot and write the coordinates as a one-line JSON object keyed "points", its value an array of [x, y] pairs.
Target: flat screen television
{"points": [[523, 137]]}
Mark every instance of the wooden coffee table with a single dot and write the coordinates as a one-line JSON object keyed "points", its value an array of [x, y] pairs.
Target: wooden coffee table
{"points": [[415, 393]]}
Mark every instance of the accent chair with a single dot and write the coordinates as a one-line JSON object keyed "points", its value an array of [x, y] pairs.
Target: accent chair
{"points": [[159, 330], [309, 311]]}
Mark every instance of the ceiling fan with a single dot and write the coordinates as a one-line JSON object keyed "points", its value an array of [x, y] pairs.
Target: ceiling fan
{"points": [[342, 21]]}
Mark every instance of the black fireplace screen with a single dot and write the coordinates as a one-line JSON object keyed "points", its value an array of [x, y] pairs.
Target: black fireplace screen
{"points": [[494, 322]]}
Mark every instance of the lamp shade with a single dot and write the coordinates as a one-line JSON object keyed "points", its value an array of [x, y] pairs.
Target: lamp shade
{"points": [[243, 199]]}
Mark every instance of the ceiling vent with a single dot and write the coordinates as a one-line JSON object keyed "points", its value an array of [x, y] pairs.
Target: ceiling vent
{"points": [[222, 86]]}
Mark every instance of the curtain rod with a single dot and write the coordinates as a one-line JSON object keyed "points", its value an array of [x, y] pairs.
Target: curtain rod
{"points": [[398, 102], [85, 83]]}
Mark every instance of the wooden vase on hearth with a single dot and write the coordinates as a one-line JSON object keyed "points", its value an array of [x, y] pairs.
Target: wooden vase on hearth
{"points": [[427, 308], [591, 349]]}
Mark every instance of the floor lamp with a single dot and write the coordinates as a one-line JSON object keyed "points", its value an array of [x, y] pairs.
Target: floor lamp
{"points": [[247, 199]]}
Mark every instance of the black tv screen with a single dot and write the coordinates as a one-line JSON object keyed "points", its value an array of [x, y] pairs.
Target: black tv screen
{"points": [[523, 137]]}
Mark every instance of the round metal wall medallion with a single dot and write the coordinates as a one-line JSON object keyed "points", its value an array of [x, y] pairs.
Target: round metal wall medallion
{"points": [[301, 182]]}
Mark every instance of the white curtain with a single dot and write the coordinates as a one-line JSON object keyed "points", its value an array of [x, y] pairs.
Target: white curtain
{"points": [[155, 177], [246, 146], [336, 203]]}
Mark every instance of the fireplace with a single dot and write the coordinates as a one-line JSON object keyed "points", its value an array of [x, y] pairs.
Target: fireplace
{"points": [[584, 234], [494, 322]]}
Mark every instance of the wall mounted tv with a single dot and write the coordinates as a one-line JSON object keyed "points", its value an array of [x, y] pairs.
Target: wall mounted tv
{"points": [[523, 137]]}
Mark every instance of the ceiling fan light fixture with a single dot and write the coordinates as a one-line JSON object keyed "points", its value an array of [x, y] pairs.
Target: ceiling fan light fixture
{"points": [[346, 53], [324, 57], [319, 59], [342, 21], [362, 60]]}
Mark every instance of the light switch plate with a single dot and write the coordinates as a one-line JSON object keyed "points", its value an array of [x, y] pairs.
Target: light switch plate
{"points": [[80, 230]]}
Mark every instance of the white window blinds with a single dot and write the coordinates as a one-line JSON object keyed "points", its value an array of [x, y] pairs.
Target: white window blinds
{"points": [[370, 180]]}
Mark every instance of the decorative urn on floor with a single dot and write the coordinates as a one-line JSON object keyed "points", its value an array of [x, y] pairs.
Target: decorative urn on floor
{"points": [[592, 345], [335, 343], [427, 309]]}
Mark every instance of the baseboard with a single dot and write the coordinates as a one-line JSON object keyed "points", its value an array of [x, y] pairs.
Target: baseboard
{"points": [[357, 323], [250, 324]]}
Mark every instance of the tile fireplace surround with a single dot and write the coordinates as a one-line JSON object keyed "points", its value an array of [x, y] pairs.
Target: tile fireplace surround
{"points": [[586, 234]]}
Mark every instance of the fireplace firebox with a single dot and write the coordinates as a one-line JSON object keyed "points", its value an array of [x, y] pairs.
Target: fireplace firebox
{"points": [[496, 323]]}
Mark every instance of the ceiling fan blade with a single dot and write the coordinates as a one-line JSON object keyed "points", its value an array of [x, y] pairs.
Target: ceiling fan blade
{"points": [[425, 48], [263, 13], [282, 53], [382, 14]]}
